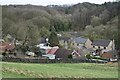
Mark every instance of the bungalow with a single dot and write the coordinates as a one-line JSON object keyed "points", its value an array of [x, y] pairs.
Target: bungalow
{"points": [[103, 45], [81, 42]]}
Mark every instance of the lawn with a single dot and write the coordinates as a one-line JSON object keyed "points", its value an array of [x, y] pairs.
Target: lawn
{"points": [[60, 70]]}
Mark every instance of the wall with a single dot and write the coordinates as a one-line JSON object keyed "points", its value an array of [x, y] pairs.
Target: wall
{"points": [[88, 43], [106, 55], [111, 46], [64, 43]]}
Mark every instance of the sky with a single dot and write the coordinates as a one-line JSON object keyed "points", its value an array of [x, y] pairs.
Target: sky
{"points": [[50, 2]]}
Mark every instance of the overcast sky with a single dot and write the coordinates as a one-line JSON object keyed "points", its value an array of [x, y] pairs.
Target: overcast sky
{"points": [[49, 2]]}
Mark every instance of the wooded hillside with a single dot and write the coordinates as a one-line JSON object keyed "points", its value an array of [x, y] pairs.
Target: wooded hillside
{"points": [[32, 22]]}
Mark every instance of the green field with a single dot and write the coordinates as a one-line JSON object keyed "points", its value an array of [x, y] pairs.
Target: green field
{"points": [[61, 70]]}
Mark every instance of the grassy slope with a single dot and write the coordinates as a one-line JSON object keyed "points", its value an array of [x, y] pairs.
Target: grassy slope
{"points": [[82, 70]]}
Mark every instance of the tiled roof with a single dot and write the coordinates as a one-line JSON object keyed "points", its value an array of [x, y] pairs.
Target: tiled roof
{"points": [[64, 38], [6, 46], [62, 53], [80, 40], [52, 51], [102, 42]]}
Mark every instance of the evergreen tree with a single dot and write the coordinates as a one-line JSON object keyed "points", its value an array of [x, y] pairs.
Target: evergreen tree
{"points": [[53, 39]]}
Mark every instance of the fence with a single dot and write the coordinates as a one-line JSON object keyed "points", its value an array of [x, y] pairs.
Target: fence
{"points": [[27, 60]]}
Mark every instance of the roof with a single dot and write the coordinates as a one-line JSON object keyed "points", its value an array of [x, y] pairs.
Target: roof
{"points": [[62, 53], [80, 40], [110, 54], [42, 40], [101, 42], [44, 47], [53, 50], [74, 33], [82, 52], [6, 46], [64, 38]]}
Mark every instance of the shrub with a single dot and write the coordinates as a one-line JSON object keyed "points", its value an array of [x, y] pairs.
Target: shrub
{"points": [[70, 56], [88, 56], [4, 54]]}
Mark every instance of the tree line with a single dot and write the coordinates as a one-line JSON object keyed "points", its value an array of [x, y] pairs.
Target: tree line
{"points": [[30, 22]]}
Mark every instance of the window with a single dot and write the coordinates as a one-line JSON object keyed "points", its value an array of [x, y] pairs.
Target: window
{"points": [[77, 44], [93, 46], [104, 47], [99, 47]]}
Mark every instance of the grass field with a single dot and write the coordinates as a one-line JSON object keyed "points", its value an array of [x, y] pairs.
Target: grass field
{"points": [[61, 70]]}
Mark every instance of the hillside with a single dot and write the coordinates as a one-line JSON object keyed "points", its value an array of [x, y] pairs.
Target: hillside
{"points": [[33, 22]]}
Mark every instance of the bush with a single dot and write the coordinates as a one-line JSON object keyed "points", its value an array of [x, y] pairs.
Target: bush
{"points": [[70, 56], [100, 58], [88, 56], [35, 49], [4, 54]]}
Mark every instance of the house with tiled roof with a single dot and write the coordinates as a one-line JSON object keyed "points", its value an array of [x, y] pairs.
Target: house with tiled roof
{"points": [[62, 53], [6, 46], [112, 55], [81, 42], [64, 41], [102, 44]]}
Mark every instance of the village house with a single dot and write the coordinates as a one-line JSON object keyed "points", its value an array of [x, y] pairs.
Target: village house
{"points": [[64, 41], [111, 55], [81, 42], [47, 51], [102, 44], [6, 46], [62, 53], [56, 52], [8, 50]]}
